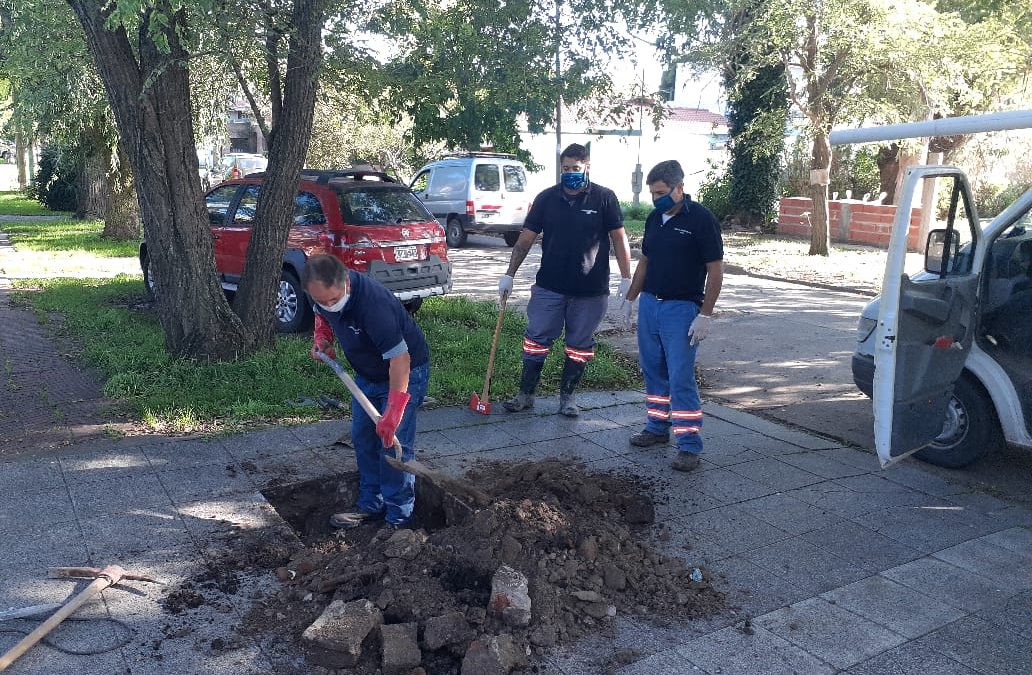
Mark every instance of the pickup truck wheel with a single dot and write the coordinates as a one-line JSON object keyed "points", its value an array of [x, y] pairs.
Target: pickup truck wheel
{"points": [[454, 234], [969, 431], [511, 238], [412, 306], [293, 311]]}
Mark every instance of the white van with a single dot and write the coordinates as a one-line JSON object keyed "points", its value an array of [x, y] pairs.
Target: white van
{"points": [[481, 192], [946, 353]]}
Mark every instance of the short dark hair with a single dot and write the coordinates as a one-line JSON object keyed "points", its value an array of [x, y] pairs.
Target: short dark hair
{"points": [[576, 151], [325, 269], [670, 172]]}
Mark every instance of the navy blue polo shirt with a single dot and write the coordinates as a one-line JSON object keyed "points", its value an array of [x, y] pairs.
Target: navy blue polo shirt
{"points": [[373, 328], [678, 251], [575, 241]]}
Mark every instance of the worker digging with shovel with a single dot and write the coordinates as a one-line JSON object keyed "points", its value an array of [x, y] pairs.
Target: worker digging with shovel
{"points": [[391, 360]]}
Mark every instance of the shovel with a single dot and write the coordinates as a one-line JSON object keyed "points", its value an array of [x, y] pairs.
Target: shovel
{"points": [[482, 404], [454, 486]]}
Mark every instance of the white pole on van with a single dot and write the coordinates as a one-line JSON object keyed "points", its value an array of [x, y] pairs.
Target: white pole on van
{"points": [[947, 126]]}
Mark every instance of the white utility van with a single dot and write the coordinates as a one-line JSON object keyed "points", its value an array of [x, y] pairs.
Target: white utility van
{"points": [[483, 192], [946, 353]]}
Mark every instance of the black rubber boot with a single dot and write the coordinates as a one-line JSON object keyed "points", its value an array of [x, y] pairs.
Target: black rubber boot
{"points": [[572, 373], [528, 385]]}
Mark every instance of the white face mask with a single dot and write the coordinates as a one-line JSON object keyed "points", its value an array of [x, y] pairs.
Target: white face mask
{"points": [[337, 306]]}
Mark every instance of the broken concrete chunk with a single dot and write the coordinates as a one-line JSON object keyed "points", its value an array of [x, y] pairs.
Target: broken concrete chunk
{"points": [[405, 544], [341, 630], [588, 549], [588, 596], [510, 597], [448, 629], [614, 577], [492, 655], [400, 650]]}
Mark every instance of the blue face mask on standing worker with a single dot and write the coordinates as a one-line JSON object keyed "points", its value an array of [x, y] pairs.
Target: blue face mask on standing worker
{"points": [[574, 180], [664, 203]]}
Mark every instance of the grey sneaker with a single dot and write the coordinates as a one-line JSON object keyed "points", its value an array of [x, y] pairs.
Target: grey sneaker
{"points": [[685, 461], [519, 402], [568, 406], [646, 438], [352, 519]]}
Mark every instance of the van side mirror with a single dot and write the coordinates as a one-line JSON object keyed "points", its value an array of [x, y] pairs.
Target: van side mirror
{"points": [[941, 251]]}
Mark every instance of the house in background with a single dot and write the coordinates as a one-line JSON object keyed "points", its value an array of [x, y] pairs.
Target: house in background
{"points": [[244, 133]]}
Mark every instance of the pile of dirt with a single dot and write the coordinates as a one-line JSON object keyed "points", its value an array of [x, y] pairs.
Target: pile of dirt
{"points": [[577, 537]]}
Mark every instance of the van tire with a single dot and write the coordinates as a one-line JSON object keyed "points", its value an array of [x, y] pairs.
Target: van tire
{"points": [[293, 310], [976, 429], [511, 238], [454, 234]]}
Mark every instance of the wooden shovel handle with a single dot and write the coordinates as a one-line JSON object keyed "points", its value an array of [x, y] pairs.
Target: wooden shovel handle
{"points": [[494, 348], [363, 401]]}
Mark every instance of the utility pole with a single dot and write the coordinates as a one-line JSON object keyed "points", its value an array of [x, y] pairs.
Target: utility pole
{"points": [[558, 95], [637, 175]]}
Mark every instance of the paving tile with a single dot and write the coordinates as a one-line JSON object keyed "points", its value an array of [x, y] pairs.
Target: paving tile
{"points": [[929, 527], [776, 474], [724, 452], [31, 475], [293, 467], [117, 496], [184, 485], [837, 499], [616, 439], [677, 503], [188, 454], [475, 439], [338, 459], [267, 442], [675, 539], [125, 538], [432, 444], [861, 459], [728, 486], [586, 422], [534, 429], [1017, 539], [670, 661], [588, 400], [715, 427], [806, 566], [982, 646], [765, 445], [735, 529], [917, 477], [760, 653], [949, 583], [911, 659], [320, 434], [628, 414], [894, 606], [38, 545], [790, 514], [861, 546], [30, 509], [99, 466], [822, 466], [1004, 566], [452, 417], [574, 447], [830, 633], [43, 660], [1013, 614]]}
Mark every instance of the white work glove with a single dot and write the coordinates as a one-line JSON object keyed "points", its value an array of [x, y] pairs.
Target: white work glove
{"points": [[504, 287], [625, 285], [700, 328], [625, 313]]}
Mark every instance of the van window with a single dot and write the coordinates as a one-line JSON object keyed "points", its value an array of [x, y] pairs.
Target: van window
{"points": [[218, 201], [448, 182], [382, 207], [515, 179], [247, 206], [308, 210], [486, 178], [421, 183]]}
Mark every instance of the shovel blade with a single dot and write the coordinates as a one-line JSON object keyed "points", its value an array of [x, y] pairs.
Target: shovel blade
{"points": [[482, 407]]}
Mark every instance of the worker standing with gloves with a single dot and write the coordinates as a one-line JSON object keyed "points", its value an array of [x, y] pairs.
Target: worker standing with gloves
{"points": [[577, 220], [679, 276], [391, 360]]}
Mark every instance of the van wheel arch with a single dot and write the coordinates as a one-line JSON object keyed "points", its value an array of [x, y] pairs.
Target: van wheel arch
{"points": [[971, 428]]}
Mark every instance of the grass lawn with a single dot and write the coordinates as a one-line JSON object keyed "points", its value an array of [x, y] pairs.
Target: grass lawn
{"points": [[17, 204], [68, 236], [120, 338]]}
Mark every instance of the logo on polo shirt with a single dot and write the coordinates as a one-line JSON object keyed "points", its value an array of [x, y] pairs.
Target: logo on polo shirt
{"points": [[681, 230], [355, 329], [589, 212]]}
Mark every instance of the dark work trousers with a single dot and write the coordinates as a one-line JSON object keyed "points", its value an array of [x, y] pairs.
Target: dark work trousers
{"points": [[548, 313]]}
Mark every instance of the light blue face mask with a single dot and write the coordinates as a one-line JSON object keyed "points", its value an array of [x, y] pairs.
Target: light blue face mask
{"points": [[574, 180]]}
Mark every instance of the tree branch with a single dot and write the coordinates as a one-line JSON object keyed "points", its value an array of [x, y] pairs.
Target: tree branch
{"points": [[272, 67], [250, 100]]}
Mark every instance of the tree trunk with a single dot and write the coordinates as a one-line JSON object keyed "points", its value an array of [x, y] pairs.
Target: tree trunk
{"points": [[820, 167], [122, 216], [888, 171], [20, 147], [150, 99], [255, 300], [92, 188]]}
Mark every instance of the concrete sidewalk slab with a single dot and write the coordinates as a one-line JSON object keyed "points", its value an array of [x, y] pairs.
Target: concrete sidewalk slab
{"points": [[845, 567]]}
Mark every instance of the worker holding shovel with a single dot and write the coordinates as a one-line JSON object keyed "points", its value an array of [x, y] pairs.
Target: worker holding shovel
{"points": [[391, 360], [577, 220]]}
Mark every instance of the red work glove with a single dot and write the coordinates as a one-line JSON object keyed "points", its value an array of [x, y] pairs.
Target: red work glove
{"points": [[322, 339], [391, 419]]}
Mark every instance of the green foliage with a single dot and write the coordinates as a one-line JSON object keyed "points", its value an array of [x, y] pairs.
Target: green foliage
{"points": [[639, 212], [715, 193], [855, 170], [126, 345], [54, 185], [68, 236]]}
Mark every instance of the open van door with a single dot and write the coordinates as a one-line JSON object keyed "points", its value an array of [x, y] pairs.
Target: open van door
{"points": [[925, 327]]}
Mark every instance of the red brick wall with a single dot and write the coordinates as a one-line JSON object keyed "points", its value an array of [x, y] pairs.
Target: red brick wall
{"points": [[867, 223]]}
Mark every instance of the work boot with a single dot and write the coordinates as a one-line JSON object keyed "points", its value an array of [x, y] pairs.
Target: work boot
{"points": [[352, 519], [572, 373], [685, 461], [645, 439], [528, 385]]}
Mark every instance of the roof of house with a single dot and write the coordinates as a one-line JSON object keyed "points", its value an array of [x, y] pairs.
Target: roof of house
{"points": [[695, 115]]}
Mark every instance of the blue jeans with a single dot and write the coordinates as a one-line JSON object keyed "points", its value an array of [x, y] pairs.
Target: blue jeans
{"points": [[382, 489], [668, 364]]}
